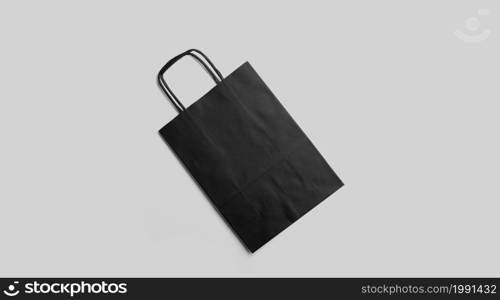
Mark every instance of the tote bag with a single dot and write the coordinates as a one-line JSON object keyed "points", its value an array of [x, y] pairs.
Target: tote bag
{"points": [[247, 153]]}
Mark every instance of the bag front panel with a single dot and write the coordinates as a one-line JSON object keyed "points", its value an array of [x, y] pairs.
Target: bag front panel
{"points": [[250, 157]]}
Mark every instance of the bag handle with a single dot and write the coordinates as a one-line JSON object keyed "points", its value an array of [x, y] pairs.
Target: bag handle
{"points": [[217, 76]]}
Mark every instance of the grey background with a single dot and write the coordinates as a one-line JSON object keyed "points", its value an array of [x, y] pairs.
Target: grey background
{"points": [[406, 114]]}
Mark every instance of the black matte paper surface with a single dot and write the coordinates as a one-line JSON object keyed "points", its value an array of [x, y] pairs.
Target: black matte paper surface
{"points": [[247, 153]]}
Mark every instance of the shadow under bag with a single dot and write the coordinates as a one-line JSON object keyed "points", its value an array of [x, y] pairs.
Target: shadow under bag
{"points": [[247, 153]]}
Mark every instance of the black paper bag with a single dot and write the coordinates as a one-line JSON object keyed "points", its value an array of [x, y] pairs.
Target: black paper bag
{"points": [[247, 153]]}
